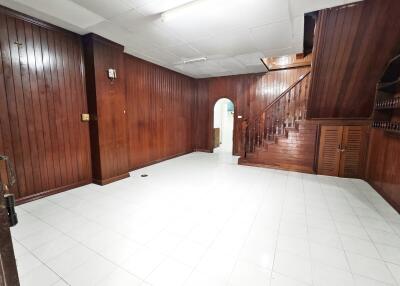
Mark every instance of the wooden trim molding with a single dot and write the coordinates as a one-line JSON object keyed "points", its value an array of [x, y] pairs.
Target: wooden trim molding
{"points": [[52, 192], [160, 160], [33, 20], [286, 167], [107, 181]]}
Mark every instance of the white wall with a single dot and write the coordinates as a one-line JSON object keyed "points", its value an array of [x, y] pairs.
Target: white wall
{"points": [[224, 120]]}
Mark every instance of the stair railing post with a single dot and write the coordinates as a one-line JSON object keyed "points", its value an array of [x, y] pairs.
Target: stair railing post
{"points": [[244, 139]]}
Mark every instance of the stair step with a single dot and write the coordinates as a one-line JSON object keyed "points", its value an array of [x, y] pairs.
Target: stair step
{"points": [[281, 136]]}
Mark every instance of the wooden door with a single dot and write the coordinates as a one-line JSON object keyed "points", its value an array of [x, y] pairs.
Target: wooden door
{"points": [[8, 267], [351, 155], [330, 150]]}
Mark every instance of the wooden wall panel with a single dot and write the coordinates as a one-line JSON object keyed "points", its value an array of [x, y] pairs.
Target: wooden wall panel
{"points": [[353, 45], [160, 112], [250, 94], [42, 95], [384, 165], [107, 106]]}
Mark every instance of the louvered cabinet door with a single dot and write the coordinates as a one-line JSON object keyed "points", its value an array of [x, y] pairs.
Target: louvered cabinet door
{"points": [[350, 164], [329, 150]]}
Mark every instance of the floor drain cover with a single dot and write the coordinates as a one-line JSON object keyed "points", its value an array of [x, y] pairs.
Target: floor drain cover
{"points": [[144, 175]]}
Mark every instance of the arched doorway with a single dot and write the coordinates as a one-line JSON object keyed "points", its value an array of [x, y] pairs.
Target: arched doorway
{"points": [[223, 125]]}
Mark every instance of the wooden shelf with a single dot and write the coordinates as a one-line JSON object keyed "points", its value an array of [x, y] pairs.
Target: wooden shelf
{"points": [[392, 72], [387, 108], [390, 87], [387, 99]]}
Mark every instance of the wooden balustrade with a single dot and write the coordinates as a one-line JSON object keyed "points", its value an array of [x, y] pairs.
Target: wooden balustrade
{"points": [[284, 112]]}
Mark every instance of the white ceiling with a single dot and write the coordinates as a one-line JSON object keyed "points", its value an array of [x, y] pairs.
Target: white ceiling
{"points": [[233, 34]]}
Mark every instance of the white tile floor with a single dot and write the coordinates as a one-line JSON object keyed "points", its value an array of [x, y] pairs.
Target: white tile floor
{"points": [[203, 220]]}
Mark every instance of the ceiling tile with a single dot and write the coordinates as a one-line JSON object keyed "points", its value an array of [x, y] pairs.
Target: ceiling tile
{"points": [[273, 36], [253, 59], [158, 36], [132, 20], [229, 63], [163, 56], [158, 6], [229, 44], [185, 51], [299, 7], [112, 32], [28, 10], [105, 8], [65, 10]]}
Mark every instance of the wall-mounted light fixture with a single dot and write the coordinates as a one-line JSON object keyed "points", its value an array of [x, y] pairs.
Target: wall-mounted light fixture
{"points": [[112, 74]]}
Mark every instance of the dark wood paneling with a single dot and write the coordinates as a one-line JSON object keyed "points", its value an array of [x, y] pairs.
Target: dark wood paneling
{"points": [[383, 169], [295, 152], [8, 267], [107, 107], [160, 112], [42, 95], [353, 45], [250, 95]]}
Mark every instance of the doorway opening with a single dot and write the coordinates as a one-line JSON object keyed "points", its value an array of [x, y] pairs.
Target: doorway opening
{"points": [[223, 125]]}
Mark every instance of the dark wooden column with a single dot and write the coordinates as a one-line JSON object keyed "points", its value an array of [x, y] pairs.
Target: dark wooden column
{"points": [[107, 108]]}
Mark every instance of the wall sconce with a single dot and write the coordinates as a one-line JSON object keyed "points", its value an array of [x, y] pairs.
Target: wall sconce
{"points": [[112, 74]]}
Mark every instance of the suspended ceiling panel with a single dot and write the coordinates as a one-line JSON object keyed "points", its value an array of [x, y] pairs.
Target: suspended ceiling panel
{"points": [[233, 35]]}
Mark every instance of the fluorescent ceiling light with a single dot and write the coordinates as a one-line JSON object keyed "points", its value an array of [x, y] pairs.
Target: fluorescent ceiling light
{"points": [[203, 59], [175, 12]]}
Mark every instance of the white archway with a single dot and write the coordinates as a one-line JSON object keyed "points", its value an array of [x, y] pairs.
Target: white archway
{"points": [[223, 120]]}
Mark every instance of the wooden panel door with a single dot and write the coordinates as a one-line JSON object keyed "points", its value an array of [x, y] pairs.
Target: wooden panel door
{"points": [[352, 141], [329, 150], [8, 266]]}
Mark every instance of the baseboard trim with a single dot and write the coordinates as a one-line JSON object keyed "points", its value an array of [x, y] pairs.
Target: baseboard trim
{"points": [[204, 150], [54, 191], [160, 160], [107, 181], [293, 168], [383, 194]]}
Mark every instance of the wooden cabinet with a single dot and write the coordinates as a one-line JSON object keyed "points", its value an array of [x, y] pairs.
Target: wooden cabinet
{"points": [[342, 151]]}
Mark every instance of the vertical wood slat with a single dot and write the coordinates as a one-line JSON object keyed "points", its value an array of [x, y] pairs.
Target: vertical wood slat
{"points": [[5, 125], [36, 107], [42, 94], [43, 102], [17, 111], [32, 138]]}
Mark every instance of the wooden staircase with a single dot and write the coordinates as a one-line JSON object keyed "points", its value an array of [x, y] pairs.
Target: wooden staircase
{"points": [[280, 136]]}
